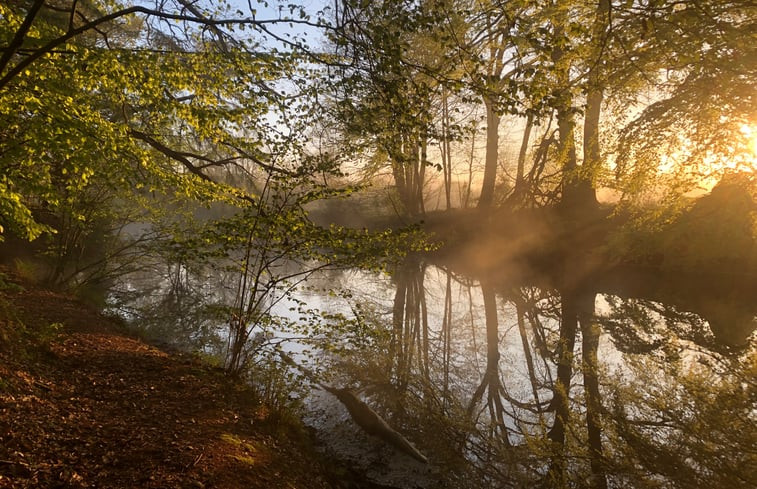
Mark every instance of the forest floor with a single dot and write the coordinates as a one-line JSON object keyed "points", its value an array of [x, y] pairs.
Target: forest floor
{"points": [[83, 404]]}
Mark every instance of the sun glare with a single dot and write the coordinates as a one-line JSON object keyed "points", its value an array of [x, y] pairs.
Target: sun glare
{"points": [[740, 156], [743, 156], [750, 134]]}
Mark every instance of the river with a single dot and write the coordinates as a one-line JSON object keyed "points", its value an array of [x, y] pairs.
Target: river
{"points": [[624, 379]]}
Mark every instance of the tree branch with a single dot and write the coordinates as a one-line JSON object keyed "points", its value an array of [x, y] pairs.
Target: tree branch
{"points": [[171, 153], [18, 39], [185, 158], [72, 33]]}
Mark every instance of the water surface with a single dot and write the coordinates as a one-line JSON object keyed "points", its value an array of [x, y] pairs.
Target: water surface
{"points": [[620, 380]]}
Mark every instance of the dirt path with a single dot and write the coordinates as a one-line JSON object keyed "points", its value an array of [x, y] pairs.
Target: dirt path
{"points": [[95, 408]]}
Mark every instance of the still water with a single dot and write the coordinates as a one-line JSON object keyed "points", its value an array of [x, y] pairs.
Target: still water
{"points": [[623, 380]]}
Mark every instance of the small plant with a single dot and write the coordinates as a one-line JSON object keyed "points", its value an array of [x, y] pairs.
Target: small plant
{"points": [[9, 325], [276, 385], [28, 270], [44, 335], [6, 285]]}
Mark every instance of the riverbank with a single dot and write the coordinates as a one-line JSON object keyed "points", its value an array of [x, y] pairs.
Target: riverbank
{"points": [[84, 404], [712, 236]]}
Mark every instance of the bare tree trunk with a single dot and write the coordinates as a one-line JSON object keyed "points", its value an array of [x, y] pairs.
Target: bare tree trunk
{"points": [[592, 154], [520, 190], [409, 322], [561, 397], [396, 350], [398, 158], [486, 200], [410, 325], [567, 146], [519, 311], [411, 149], [446, 150], [424, 355], [560, 401], [447, 338], [421, 175], [574, 188], [467, 191], [491, 382]]}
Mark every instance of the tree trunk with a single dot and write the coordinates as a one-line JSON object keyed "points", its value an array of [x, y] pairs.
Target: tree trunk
{"points": [[520, 312], [575, 190], [491, 383], [567, 153], [486, 200], [561, 392], [420, 206], [560, 400], [408, 170], [592, 158], [396, 347], [520, 190], [447, 341], [446, 151], [594, 98], [467, 191]]}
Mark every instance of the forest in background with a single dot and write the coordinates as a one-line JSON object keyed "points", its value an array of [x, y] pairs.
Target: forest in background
{"points": [[170, 136]]}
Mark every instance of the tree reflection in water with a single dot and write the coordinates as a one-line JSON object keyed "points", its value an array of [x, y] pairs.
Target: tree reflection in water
{"points": [[531, 383], [506, 385]]}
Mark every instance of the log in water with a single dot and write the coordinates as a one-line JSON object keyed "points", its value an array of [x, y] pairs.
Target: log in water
{"points": [[362, 414], [373, 424]]}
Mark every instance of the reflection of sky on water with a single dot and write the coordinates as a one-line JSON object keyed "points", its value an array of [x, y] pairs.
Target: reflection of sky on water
{"points": [[469, 350], [637, 340]]}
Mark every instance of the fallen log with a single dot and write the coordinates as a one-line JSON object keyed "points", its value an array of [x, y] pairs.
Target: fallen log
{"points": [[362, 414], [373, 424]]}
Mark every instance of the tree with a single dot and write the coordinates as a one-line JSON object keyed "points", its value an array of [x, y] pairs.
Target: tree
{"points": [[691, 129], [174, 108], [483, 39], [685, 442], [385, 99], [152, 104]]}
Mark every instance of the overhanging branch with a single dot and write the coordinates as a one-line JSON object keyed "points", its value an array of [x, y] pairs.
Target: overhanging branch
{"points": [[93, 24]]}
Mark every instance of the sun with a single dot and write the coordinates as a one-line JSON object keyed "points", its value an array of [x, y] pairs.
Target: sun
{"points": [[742, 152], [750, 134]]}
